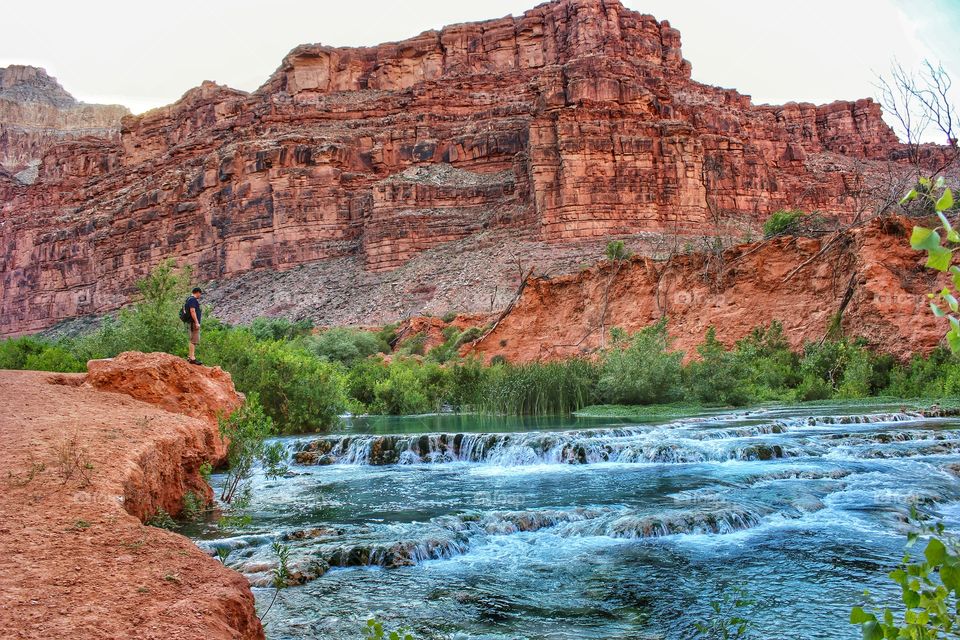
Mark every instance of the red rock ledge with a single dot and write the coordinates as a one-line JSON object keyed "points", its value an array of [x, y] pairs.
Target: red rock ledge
{"points": [[85, 459]]}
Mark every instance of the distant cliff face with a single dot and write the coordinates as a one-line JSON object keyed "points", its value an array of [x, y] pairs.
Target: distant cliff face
{"points": [[37, 113], [416, 175]]}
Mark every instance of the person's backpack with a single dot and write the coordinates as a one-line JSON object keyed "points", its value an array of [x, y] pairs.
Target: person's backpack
{"points": [[185, 313]]}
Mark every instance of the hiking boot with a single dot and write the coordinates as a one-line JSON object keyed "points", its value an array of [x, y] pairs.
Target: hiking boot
{"points": [[194, 361]]}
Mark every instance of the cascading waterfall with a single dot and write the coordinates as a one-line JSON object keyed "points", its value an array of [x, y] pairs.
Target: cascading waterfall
{"points": [[670, 444], [502, 534]]}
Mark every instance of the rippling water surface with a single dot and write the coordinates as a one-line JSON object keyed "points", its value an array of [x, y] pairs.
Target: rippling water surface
{"points": [[468, 527]]}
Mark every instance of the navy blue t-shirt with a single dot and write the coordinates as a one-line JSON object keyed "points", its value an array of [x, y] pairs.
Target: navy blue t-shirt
{"points": [[193, 303]]}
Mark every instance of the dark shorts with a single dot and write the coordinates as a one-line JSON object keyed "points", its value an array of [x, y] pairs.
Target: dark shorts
{"points": [[194, 333]]}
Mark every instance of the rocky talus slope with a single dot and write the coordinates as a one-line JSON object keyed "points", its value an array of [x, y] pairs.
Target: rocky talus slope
{"points": [[87, 459], [365, 184]]}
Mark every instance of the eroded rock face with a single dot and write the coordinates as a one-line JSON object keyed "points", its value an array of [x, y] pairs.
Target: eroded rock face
{"points": [[569, 124], [86, 469], [168, 382], [742, 288], [36, 113]]}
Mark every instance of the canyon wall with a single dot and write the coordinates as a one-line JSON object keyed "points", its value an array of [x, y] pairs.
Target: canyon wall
{"points": [[36, 113], [363, 184]]}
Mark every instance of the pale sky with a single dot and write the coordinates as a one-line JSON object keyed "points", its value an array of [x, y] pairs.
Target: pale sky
{"points": [[147, 54]]}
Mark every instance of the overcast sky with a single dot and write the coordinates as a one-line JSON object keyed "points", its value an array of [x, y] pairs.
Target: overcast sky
{"points": [[146, 54]]}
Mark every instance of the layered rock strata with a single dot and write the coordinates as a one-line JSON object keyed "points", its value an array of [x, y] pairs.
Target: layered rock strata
{"points": [[547, 133]]}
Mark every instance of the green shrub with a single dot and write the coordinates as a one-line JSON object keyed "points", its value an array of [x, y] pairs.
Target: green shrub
{"points": [[55, 358], [719, 377], [857, 375], [838, 365], [15, 352], [617, 251], [388, 334], [414, 346], [400, 392], [771, 366], [924, 376], [449, 316], [467, 380], [246, 432], [280, 328], [781, 222], [454, 338], [361, 383], [639, 368], [300, 391], [346, 345]]}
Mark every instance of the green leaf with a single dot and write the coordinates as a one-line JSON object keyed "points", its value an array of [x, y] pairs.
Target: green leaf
{"points": [[910, 196], [924, 182], [872, 631], [946, 201], [950, 576], [950, 300], [937, 311], [939, 258], [945, 222], [924, 239], [953, 340], [935, 552], [956, 276], [911, 598], [859, 616]]}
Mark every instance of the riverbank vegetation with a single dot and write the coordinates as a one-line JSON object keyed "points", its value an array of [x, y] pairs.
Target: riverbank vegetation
{"points": [[305, 378]]}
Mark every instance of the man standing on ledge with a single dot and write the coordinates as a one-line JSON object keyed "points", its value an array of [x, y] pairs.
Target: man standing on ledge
{"points": [[192, 307]]}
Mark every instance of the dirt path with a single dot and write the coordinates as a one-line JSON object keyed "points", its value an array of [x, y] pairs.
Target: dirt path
{"points": [[74, 563]]}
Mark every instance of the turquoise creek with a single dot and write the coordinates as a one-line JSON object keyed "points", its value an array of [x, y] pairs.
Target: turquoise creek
{"points": [[495, 528]]}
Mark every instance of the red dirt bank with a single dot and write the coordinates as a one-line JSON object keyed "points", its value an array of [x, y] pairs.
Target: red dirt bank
{"points": [[83, 467], [734, 292]]}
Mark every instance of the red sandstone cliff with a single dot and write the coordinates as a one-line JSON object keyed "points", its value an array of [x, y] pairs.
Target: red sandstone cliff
{"points": [[36, 113], [744, 287], [75, 560], [386, 180]]}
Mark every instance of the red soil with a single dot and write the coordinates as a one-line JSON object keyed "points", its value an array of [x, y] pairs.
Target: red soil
{"points": [[82, 468], [745, 286]]}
